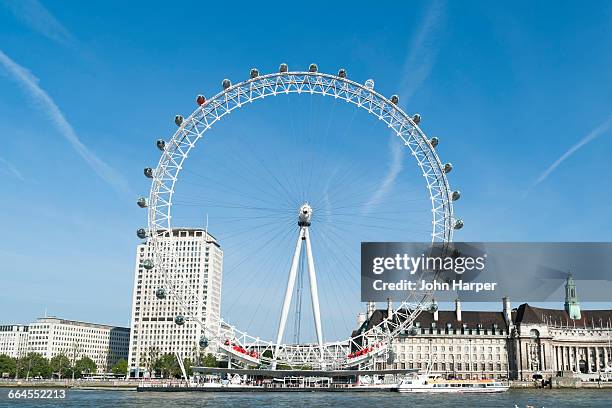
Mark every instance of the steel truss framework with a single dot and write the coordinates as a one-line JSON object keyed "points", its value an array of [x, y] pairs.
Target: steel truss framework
{"points": [[194, 127]]}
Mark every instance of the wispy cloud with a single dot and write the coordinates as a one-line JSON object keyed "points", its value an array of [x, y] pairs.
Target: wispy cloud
{"points": [[417, 66], [592, 135], [33, 14], [422, 51], [9, 169], [396, 150], [30, 84]]}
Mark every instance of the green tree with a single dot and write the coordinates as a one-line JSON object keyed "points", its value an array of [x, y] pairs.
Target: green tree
{"points": [[210, 361], [60, 366], [188, 367], [84, 366], [120, 367], [156, 367], [21, 367], [169, 365], [76, 351], [36, 366], [8, 366], [198, 355], [150, 361], [110, 356]]}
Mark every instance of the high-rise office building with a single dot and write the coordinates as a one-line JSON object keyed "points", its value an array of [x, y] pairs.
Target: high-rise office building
{"points": [[199, 263]]}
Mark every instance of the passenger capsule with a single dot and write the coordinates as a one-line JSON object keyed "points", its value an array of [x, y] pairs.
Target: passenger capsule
{"points": [[160, 293], [226, 83], [313, 68], [395, 99], [369, 84], [148, 264], [413, 331], [456, 195], [203, 342], [141, 233], [434, 141], [161, 144], [148, 172], [142, 202], [179, 320], [254, 72], [283, 68], [458, 224], [433, 307], [448, 167], [342, 73], [178, 119], [200, 100], [416, 118]]}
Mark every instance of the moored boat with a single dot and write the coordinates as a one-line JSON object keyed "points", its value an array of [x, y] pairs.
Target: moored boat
{"points": [[436, 384]]}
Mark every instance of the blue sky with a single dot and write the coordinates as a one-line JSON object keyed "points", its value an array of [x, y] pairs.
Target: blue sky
{"points": [[520, 96]]}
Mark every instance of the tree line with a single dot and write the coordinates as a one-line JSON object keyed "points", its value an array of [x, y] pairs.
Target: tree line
{"points": [[35, 365], [167, 366]]}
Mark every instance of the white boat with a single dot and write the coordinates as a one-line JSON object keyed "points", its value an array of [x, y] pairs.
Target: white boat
{"points": [[436, 384]]}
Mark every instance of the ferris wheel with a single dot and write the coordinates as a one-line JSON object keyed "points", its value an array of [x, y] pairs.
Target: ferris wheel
{"points": [[365, 346]]}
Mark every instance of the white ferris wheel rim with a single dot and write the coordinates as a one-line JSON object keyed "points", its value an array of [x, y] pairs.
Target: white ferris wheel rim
{"points": [[192, 129]]}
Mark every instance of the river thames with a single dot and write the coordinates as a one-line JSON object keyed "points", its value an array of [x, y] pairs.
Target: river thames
{"points": [[522, 398]]}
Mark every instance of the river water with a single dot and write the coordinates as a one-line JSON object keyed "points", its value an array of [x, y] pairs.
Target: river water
{"points": [[522, 398]]}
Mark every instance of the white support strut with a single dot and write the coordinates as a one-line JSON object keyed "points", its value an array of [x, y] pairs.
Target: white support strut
{"points": [[304, 220], [181, 363], [289, 291], [314, 293]]}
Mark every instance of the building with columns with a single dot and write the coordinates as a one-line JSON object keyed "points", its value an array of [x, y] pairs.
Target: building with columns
{"points": [[551, 341], [520, 343]]}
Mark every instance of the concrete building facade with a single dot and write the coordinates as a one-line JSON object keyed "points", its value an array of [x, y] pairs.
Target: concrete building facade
{"points": [[13, 340], [154, 331], [455, 344], [104, 344]]}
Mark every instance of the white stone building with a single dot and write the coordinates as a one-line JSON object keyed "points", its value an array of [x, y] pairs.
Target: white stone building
{"points": [[154, 331], [519, 344], [455, 343], [104, 344], [13, 340], [551, 342]]}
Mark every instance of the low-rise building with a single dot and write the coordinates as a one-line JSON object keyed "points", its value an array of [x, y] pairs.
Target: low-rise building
{"points": [[104, 344], [455, 344]]}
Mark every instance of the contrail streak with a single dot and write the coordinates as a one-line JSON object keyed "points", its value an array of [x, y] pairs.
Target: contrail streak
{"points": [[417, 67], [395, 167], [422, 52], [33, 14], [11, 169], [30, 84], [594, 134]]}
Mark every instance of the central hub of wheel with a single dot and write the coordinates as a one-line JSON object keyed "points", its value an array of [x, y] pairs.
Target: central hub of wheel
{"points": [[305, 215]]}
